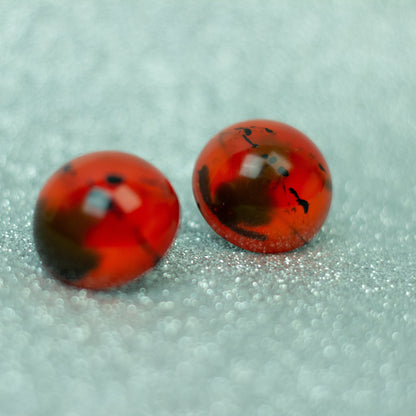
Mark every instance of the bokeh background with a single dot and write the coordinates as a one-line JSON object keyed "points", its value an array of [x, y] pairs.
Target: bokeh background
{"points": [[328, 329]]}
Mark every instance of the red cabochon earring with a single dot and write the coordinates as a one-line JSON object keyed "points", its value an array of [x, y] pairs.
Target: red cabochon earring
{"points": [[104, 219], [263, 186]]}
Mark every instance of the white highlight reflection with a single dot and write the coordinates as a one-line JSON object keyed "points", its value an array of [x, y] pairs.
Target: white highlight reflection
{"points": [[97, 202], [126, 199], [252, 166]]}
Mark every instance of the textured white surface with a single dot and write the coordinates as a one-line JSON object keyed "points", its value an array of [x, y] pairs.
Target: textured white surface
{"points": [[326, 330]]}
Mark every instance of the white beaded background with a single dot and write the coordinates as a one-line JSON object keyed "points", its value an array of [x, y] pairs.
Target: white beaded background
{"points": [[329, 329]]}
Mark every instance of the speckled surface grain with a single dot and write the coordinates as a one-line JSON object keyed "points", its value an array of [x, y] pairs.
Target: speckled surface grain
{"points": [[325, 330]]}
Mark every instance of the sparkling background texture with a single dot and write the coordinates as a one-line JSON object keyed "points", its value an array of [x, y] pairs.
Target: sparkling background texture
{"points": [[329, 329]]}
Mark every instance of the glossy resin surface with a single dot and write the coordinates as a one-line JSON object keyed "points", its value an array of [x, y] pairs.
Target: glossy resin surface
{"points": [[263, 186], [104, 219]]}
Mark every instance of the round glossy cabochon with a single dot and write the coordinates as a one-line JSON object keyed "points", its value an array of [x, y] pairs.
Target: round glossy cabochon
{"points": [[263, 186], [104, 219]]}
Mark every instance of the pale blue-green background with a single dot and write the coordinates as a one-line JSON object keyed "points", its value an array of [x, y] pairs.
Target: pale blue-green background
{"points": [[326, 330]]}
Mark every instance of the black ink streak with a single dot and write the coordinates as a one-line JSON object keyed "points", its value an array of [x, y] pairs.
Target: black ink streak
{"points": [[249, 141], [137, 234], [322, 168], [297, 233], [235, 204], [304, 204], [68, 169], [203, 177], [248, 233], [63, 253], [268, 130], [114, 179], [247, 132], [144, 243]]}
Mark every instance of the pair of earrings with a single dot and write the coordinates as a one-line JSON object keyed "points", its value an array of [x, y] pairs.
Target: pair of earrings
{"points": [[106, 218]]}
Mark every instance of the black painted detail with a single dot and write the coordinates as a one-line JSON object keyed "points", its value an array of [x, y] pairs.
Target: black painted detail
{"points": [[254, 145], [243, 201], [247, 131], [268, 130], [114, 179], [248, 233], [300, 236], [265, 156], [145, 244], [283, 171], [69, 169], [203, 179], [58, 239], [321, 167], [303, 203]]}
